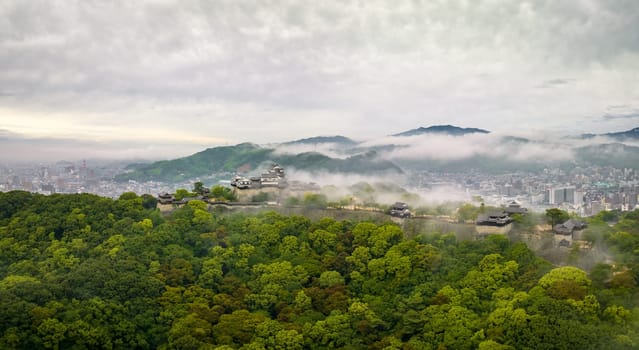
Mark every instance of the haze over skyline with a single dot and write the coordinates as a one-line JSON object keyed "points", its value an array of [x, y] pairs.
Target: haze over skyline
{"points": [[161, 79]]}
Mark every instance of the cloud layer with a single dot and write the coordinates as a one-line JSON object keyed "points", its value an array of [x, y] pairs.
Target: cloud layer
{"points": [[207, 73], [451, 148]]}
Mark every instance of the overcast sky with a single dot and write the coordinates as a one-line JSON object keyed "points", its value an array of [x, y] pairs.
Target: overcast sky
{"points": [[167, 78]]}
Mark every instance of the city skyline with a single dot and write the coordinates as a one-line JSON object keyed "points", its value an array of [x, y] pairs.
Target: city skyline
{"points": [[164, 79]]}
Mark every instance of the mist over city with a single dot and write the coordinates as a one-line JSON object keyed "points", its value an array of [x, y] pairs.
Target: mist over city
{"points": [[161, 81]]}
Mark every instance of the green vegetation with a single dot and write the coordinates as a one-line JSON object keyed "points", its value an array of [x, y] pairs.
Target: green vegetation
{"points": [[222, 193], [85, 272], [218, 159], [260, 197], [215, 193], [556, 216], [231, 158], [365, 160]]}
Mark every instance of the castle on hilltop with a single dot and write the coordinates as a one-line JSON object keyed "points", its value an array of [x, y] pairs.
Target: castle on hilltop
{"points": [[273, 177]]}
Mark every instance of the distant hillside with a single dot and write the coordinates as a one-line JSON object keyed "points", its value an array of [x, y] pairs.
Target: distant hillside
{"points": [[218, 159], [341, 140], [362, 159], [622, 135], [366, 163], [515, 139], [442, 129], [632, 134], [247, 156], [609, 154], [483, 163]]}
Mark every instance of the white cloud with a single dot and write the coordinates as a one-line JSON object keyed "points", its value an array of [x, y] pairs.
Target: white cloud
{"points": [[386, 189], [451, 148], [332, 150]]}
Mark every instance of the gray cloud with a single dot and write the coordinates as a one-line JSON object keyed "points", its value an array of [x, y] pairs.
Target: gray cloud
{"points": [[620, 116], [555, 82], [18, 148], [244, 71]]}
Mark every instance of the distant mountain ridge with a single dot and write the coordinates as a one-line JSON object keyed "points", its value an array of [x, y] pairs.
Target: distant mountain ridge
{"points": [[384, 157], [249, 156], [628, 134], [632, 134], [338, 139], [442, 129]]}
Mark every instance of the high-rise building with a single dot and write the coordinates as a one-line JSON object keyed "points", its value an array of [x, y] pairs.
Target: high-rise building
{"points": [[559, 195], [596, 206], [579, 198]]}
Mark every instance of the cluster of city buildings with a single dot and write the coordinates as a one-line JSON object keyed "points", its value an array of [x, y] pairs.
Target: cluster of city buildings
{"points": [[76, 177], [584, 191], [581, 190]]}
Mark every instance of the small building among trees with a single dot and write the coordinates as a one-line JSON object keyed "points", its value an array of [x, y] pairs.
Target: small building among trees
{"points": [[569, 226], [165, 198], [400, 210], [515, 208], [496, 218], [564, 232]]}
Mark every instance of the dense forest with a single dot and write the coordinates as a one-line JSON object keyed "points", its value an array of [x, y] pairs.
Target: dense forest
{"points": [[86, 272]]}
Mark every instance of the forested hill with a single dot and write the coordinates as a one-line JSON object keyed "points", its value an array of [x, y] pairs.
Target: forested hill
{"points": [[442, 129], [337, 140], [250, 156], [85, 272], [609, 154]]}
